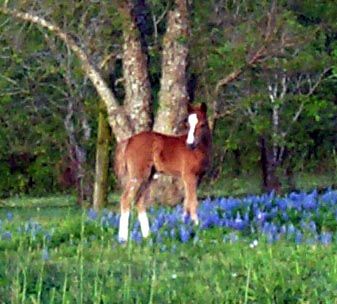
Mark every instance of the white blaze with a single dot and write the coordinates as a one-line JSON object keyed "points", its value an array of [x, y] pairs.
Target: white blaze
{"points": [[192, 121], [123, 227], [144, 224]]}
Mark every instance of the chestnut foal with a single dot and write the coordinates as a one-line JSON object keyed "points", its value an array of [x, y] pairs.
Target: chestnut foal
{"points": [[140, 156]]}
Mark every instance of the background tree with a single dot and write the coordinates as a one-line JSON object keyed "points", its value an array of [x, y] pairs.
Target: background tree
{"points": [[264, 40], [135, 114], [254, 63], [173, 95]]}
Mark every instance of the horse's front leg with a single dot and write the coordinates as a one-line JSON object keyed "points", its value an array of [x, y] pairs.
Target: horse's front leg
{"points": [[191, 200]]}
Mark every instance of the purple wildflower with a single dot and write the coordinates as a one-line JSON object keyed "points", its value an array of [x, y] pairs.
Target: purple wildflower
{"points": [[282, 204], [185, 234], [10, 216], [136, 236], [326, 238], [92, 214], [271, 237], [172, 233], [283, 229], [309, 201], [291, 229], [48, 235], [45, 254], [260, 216], [285, 216], [298, 237], [232, 237], [238, 223], [329, 197], [159, 238], [6, 236]]}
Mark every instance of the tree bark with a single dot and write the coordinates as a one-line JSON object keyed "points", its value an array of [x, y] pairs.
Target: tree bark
{"points": [[137, 102], [173, 96], [102, 161], [270, 179], [135, 115]]}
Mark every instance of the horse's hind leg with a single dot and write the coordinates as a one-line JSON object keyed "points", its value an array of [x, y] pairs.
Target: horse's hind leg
{"points": [[141, 207], [129, 195], [135, 192]]}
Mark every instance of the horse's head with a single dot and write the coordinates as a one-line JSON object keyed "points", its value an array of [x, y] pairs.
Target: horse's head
{"points": [[198, 129]]}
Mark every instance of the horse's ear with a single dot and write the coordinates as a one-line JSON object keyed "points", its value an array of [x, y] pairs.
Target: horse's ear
{"points": [[203, 107], [190, 108]]}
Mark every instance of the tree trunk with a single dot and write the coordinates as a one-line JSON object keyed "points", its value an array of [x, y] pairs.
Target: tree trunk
{"points": [[173, 96], [269, 167], [102, 161], [135, 115], [137, 102]]}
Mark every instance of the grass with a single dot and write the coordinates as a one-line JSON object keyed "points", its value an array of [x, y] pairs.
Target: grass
{"points": [[81, 262], [233, 185], [211, 272]]}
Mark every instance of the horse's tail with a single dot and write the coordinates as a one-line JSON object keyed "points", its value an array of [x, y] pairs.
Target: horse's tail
{"points": [[121, 169]]}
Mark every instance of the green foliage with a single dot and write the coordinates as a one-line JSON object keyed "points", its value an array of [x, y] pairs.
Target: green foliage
{"points": [[224, 36]]}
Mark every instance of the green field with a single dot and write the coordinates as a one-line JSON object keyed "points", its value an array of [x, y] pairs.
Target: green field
{"points": [[81, 262]]}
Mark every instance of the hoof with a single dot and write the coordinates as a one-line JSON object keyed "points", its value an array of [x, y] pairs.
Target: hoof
{"points": [[185, 217], [195, 221], [146, 235], [122, 240]]}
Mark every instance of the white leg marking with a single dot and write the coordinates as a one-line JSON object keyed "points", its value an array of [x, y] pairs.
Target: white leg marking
{"points": [[123, 227], [184, 215], [144, 224], [195, 219], [192, 121]]}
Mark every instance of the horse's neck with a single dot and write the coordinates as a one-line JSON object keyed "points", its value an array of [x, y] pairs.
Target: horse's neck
{"points": [[206, 142]]}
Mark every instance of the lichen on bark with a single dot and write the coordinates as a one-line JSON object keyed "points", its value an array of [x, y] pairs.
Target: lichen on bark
{"points": [[137, 102]]}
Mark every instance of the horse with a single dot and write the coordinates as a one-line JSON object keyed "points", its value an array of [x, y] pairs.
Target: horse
{"points": [[139, 157]]}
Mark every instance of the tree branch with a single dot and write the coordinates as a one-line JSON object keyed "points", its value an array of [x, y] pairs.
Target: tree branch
{"points": [[117, 118], [314, 86], [156, 21], [301, 107], [256, 56]]}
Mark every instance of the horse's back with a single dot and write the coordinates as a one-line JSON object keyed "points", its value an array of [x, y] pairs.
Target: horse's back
{"points": [[138, 154], [147, 141], [151, 149]]}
